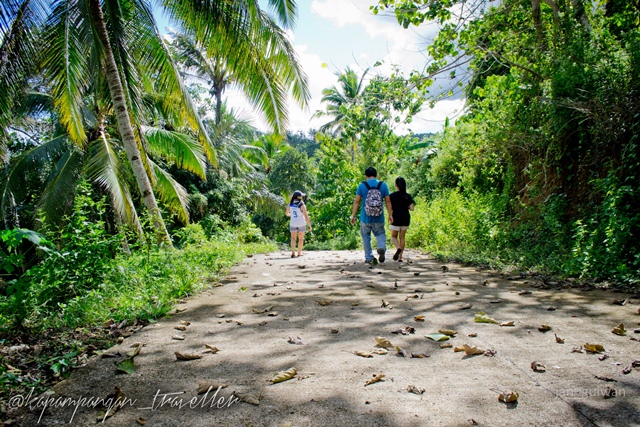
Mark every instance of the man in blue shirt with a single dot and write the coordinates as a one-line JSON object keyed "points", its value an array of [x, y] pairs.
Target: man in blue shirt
{"points": [[369, 223]]}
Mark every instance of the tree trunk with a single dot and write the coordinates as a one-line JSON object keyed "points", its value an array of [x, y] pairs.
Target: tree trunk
{"points": [[537, 21], [124, 126]]}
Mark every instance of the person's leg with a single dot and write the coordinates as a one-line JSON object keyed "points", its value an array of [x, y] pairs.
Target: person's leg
{"points": [[401, 241], [293, 243], [300, 243], [365, 232], [381, 239], [394, 239], [396, 243]]}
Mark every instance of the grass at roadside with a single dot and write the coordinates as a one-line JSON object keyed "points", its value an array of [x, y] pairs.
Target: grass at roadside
{"points": [[136, 290]]}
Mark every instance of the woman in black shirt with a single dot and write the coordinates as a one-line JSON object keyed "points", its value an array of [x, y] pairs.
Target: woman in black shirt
{"points": [[401, 204]]}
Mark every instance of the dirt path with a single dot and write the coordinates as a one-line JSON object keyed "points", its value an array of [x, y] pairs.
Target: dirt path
{"points": [[330, 387]]}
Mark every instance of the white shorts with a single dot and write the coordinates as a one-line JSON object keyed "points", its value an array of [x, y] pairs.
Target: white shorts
{"points": [[302, 229], [398, 227]]}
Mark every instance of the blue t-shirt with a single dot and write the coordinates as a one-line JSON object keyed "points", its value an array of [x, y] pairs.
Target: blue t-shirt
{"points": [[362, 192]]}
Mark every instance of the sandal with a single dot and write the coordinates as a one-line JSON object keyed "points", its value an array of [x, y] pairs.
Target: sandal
{"points": [[397, 254]]}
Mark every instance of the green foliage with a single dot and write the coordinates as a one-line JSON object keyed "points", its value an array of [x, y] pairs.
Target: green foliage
{"points": [[291, 171]]}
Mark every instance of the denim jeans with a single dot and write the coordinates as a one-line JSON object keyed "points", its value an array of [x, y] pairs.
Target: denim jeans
{"points": [[378, 231]]}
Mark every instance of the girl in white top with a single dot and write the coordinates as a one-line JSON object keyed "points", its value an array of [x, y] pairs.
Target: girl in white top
{"points": [[297, 210]]}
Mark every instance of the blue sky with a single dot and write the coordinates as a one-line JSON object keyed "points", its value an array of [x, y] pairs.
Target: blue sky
{"points": [[331, 35]]}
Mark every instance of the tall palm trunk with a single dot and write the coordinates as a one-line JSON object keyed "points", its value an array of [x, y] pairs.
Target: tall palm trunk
{"points": [[124, 126]]}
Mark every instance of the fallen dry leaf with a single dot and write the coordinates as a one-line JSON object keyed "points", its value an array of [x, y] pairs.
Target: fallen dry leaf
{"points": [[594, 348], [465, 306], [283, 376], [211, 349], [537, 367], [402, 352], [381, 351], [558, 339], [525, 292], [490, 353], [544, 328], [415, 390], [473, 334], [180, 328], [448, 332], [437, 337], [296, 340], [576, 349], [472, 350], [141, 421], [385, 304], [185, 322], [419, 318], [117, 398], [205, 386], [419, 355], [178, 337], [251, 397], [446, 345], [362, 354], [375, 379], [508, 397], [324, 302], [509, 323], [482, 317], [620, 302], [334, 331], [187, 356], [383, 342], [137, 346], [619, 330]]}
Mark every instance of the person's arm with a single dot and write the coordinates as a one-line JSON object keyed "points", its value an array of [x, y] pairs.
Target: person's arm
{"points": [[306, 216], [387, 201], [354, 209], [287, 212], [411, 206]]}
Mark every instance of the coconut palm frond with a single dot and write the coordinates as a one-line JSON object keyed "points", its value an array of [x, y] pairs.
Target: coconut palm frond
{"points": [[106, 170], [65, 64], [57, 198], [177, 148], [173, 195]]}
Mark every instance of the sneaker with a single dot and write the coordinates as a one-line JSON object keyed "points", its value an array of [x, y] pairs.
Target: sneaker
{"points": [[397, 254], [373, 261], [381, 253]]}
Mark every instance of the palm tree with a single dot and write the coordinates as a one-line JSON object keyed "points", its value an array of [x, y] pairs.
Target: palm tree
{"points": [[340, 98], [121, 39], [264, 77], [48, 173]]}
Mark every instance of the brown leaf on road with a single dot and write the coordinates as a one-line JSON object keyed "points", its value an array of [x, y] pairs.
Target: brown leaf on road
{"points": [[211, 349], [204, 386], [593, 348], [296, 340], [544, 328], [558, 339], [490, 352], [537, 367], [449, 332], [473, 335], [402, 352], [362, 354], [418, 318], [178, 337], [180, 328], [446, 345], [465, 306], [385, 304], [283, 376], [415, 390], [117, 398], [383, 342], [185, 322], [509, 323], [324, 302], [187, 356], [250, 397], [619, 330], [375, 379], [508, 397], [422, 355], [620, 302], [472, 350]]}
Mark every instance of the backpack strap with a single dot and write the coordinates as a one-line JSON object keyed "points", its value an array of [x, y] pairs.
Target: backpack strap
{"points": [[379, 185], [366, 184]]}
